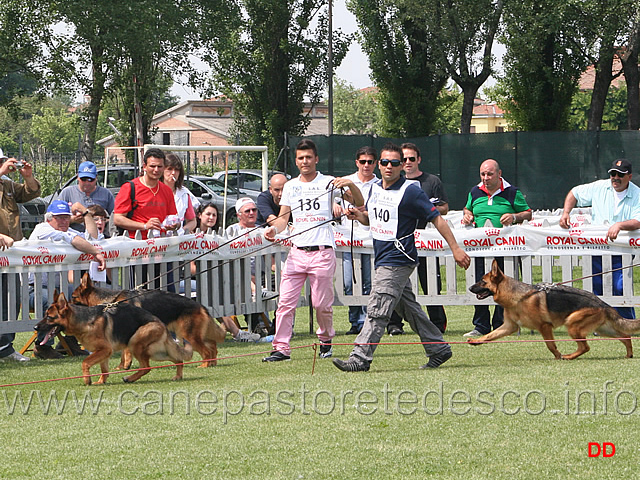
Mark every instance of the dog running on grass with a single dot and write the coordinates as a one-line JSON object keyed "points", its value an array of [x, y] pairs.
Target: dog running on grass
{"points": [[185, 317], [544, 307], [103, 330]]}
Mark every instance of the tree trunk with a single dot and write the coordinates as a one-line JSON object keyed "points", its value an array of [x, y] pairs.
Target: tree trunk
{"points": [[469, 92], [95, 101], [601, 86], [632, 77]]}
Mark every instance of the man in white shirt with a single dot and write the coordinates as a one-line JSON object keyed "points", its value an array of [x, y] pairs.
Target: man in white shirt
{"points": [[56, 227], [363, 178], [309, 198]]}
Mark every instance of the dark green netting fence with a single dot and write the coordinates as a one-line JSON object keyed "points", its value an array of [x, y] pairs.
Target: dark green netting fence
{"points": [[544, 165]]}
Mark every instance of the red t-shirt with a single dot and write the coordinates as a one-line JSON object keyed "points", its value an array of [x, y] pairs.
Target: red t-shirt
{"points": [[151, 203]]}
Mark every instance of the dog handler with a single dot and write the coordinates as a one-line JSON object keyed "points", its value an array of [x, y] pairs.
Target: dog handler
{"points": [[393, 211], [309, 198]]}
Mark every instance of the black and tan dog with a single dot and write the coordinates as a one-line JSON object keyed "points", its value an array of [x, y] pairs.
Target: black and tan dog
{"points": [[185, 317], [544, 307], [103, 330]]}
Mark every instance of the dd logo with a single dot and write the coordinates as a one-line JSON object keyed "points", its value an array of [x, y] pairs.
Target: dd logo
{"points": [[605, 449]]}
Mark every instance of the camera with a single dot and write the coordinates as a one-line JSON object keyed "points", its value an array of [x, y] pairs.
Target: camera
{"points": [[19, 164]]}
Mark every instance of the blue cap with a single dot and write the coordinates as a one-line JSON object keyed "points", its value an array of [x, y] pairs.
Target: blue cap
{"points": [[58, 207], [87, 170]]}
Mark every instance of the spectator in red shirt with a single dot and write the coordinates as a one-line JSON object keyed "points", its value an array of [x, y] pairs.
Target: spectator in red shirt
{"points": [[152, 200]]}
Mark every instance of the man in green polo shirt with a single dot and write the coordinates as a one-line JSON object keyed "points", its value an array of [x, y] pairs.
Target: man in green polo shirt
{"points": [[501, 203]]}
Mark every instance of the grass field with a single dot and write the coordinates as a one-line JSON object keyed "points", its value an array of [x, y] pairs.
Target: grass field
{"points": [[500, 411]]}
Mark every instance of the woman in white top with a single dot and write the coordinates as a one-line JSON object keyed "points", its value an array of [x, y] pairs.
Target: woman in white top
{"points": [[186, 202]]}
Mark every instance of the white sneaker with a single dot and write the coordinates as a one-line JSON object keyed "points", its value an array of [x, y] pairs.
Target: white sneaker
{"points": [[15, 357], [269, 295], [244, 336], [472, 334]]}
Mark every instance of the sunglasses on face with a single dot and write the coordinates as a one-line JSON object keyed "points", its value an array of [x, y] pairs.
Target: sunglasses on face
{"points": [[86, 179], [250, 210], [409, 159], [368, 162], [615, 173], [394, 162]]}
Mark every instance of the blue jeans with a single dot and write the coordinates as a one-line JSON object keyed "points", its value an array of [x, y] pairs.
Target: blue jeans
{"points": [[357, 313], [616, 262]]}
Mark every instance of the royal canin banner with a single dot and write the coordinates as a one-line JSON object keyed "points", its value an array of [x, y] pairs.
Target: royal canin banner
{"points": [[478, 242]]}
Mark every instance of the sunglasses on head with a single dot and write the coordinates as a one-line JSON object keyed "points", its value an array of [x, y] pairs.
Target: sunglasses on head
{"points": [[394, 162], [615, 173], [409, 159], [362, 162]]}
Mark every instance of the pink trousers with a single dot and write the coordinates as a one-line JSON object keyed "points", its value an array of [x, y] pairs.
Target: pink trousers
{"points": [[319, 267]]}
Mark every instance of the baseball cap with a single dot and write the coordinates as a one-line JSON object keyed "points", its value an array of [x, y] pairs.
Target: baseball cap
{"points": [[59, 207], [87, 170], [242, 202], [621, 165], [2, 155]]}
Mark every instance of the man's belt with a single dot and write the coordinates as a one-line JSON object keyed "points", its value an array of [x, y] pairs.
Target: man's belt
{"points": [[315, 248]]}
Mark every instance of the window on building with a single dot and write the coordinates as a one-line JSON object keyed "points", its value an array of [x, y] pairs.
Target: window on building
{"points": [[166, 138]]}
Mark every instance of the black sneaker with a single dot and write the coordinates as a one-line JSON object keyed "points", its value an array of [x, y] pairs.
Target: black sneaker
{"points": [[436, 360], [355, 330], [396, 331], [46, 352], [276, 356], [351, 365], [326, 350]]}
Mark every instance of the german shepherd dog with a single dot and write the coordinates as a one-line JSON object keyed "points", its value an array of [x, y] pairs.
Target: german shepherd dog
{"points": [[183, 316], [544, 307], [103, 330]]}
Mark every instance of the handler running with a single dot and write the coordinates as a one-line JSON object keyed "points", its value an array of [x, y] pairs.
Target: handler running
{"points": [[393, 210]]}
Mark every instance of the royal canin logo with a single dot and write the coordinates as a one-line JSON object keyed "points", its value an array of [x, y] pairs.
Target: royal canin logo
{"points": [[200, 235], [338, 234], [492, 232], [151, 241], [575, 232], [43, 249]]}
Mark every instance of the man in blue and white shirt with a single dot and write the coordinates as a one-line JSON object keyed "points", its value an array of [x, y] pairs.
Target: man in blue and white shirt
{"points": [[616, 201], [393, 211]]}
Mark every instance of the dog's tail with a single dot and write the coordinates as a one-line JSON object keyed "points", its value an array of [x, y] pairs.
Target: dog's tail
{"points": [[215, 332], [178, 351], [628, 326]]}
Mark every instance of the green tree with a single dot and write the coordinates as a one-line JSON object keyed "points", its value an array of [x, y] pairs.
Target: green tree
{"points": [[541, 65], [268, 56], [464, 31], [614, 115], [605, 26], [24, 30], [56, 130], [404, 65], [354, 111]]}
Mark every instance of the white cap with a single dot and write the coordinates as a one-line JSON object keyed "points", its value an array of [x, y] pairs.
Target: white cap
{"points": [[2, 155], [242, 202]]}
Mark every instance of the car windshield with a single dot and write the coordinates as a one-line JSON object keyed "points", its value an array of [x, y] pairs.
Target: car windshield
{"points": [[217, 187]]}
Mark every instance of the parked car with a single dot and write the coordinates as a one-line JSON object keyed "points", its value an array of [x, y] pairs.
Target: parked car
{"points": [[247, 180], [206, 189], [31, 214]]}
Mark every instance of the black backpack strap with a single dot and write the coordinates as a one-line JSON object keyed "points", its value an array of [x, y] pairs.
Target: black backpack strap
{"points": [[134, 202]]}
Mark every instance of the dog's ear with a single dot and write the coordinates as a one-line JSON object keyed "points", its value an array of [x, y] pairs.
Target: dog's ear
{"points": [[56, 294], [61, 301], [85, 282], [496, 273]]}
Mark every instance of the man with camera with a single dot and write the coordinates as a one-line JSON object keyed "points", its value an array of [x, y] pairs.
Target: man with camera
{"points": [[12, 193]]}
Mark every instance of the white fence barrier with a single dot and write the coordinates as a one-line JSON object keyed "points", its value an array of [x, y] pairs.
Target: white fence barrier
{"points": [[222, 284]]}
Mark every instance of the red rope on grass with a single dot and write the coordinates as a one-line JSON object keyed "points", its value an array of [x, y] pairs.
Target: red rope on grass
{"points": [[315, 352]]}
